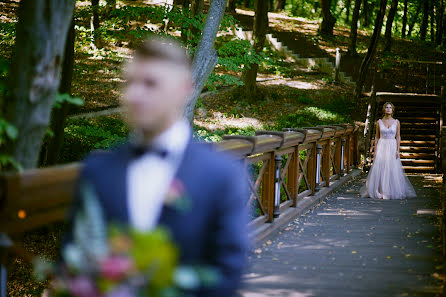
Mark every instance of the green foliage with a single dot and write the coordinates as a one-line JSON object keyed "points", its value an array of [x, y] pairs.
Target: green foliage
{"points": [[309, 116], [206, 135], [303, 8], [84, 135], [66, 98]]}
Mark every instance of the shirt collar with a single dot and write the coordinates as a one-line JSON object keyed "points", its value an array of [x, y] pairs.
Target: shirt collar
{"points": [[174, 140]]}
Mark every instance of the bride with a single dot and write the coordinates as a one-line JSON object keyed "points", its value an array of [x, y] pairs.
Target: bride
{"points": [[386, 179]]}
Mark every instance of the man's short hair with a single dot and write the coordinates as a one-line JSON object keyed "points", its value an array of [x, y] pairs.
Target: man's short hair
{"points": [[163, 48]]}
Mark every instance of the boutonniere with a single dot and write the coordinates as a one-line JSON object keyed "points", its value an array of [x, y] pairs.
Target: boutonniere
{"points": [[177, 197]]}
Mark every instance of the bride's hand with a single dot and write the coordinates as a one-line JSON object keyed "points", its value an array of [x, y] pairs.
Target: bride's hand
{"points": [[397, 155]]}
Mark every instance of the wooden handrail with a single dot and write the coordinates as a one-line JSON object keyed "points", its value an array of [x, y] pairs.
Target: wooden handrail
{"points": [[34, 198]]}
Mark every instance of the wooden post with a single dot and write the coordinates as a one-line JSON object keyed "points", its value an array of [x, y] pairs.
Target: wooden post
{"points": [[326, 162], [356, 157], [293, 175], [347, 153], [312, 169], [268, 188], [337, 156], [338, 64]]}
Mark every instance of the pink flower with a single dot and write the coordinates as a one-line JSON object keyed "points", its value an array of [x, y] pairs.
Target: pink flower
{"points": [[82, 286], [115, 268]]}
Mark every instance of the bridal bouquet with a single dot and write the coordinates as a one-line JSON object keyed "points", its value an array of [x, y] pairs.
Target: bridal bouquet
{"points": [[110, 261]]}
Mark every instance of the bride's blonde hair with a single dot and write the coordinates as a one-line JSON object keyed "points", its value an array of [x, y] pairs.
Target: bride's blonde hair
{"points": [[384, 108]]}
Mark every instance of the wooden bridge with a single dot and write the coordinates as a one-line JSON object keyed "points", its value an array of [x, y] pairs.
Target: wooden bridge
{"points": [[348, 246]]}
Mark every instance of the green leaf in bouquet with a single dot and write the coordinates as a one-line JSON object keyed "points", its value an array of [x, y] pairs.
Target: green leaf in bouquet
{"points": [[42, 269], [209, 276], [155, 253]]}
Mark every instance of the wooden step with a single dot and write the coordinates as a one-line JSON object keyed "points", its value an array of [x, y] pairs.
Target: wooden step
{"points": [[417, 142], [424, 125], [410, 155], [417, 162], [420, 169], [418, 118], [415, 149], [417, 137]]}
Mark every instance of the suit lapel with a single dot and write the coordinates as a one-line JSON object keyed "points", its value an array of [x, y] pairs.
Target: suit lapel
{"points": [[169, 211], [118, 185]]}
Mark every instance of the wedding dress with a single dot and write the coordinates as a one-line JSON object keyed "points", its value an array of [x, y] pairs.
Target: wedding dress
{"points": [[386, 179]]}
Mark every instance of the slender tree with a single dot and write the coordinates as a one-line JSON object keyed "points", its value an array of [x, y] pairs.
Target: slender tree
{"points": [[389, 23], [259, 36], [94, 24], [432, 20], [231, 6], [184, 30], [403, 29], [35, 71], [328, 20], [415, 18], [347, 11], [424, 24], [205, 57], [440, 13], [372, 49], [354, 28], [365, 14], [197, 6], [279, 5]]}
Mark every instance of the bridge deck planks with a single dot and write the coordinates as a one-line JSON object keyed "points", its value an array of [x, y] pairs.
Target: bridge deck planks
{"points": [[352, 246]]}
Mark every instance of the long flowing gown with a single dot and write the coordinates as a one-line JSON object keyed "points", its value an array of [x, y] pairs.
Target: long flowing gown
{"points": [[386, 179]]}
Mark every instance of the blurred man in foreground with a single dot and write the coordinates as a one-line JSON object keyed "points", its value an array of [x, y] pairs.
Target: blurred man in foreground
{"points": [[162, 177]]}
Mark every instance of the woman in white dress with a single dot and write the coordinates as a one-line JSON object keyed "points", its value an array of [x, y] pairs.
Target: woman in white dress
{"points": [[386, 179]]}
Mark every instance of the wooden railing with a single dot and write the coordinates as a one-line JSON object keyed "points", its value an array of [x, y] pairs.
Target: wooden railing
{"points": [[289, 165]]}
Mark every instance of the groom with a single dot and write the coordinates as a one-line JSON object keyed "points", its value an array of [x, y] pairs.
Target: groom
{"points": [[138, 184]]}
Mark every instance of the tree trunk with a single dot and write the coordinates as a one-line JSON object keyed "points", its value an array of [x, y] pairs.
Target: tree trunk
{"points": [[389, 23], [372, 49], [205, 57], [259, 37], [415, 19], [403, 29], [440, 13], [95, 23], [365, 13], [354, 28], [184, 30], [432, 19], [51, 151], [280, 5], [197, 7], [347, 12], [34, 77], [424, 24], [110, 5], [231, 6], [328, 20]]}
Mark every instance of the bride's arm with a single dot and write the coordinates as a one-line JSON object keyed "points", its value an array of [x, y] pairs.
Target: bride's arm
{"points": [[398, 139], [376, 138]]}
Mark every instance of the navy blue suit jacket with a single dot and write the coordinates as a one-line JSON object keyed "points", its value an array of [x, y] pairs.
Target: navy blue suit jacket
{"points": [[212, 231]]}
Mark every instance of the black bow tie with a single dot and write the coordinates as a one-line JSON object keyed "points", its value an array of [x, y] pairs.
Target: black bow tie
{"points": [[140, 150]]}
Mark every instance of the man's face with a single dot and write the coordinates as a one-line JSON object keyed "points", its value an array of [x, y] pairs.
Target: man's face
{"points": [[155, 93]]}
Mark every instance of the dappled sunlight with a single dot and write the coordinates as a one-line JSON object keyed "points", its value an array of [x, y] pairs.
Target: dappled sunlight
{"points": [[315, 85], [218, 120]]}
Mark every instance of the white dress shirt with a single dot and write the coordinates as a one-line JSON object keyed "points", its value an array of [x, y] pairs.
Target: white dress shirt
{"points": [[150, 176]]}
